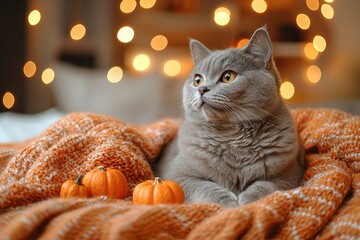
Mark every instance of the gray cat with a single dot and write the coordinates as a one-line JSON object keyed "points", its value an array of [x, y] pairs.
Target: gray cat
{"points": [[238, 141]]}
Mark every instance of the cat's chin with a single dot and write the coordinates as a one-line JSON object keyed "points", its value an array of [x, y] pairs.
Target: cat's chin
{"points": [[212, 114]]}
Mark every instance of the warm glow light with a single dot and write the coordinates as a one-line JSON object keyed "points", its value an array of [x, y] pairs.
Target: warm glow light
{"points": [[29, 69], [159, 42], [303, 21], [34, 17], [313, 5], [327, 11], [77, 32], [141, 62], [259, 6], [329, 1], [310, 52], [48, 76], [125, 34], [147, 3], [127, 6], [114, 74], [319, 43], [287, 90], [222, 16], [172, 68], [8, 100], [313, 73], [242, 43]]}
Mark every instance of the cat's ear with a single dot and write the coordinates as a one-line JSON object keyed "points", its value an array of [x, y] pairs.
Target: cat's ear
{"points": [[260, 44], [198, 51]]}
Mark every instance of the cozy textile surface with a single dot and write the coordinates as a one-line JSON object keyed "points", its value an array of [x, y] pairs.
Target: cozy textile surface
{"points": [[327, 204]]}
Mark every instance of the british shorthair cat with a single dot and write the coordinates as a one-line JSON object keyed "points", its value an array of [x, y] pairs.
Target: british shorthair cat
{"points": [[238, 142]]}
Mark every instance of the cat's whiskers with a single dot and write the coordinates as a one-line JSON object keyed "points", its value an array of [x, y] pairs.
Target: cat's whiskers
{"points": [[236, 112]]}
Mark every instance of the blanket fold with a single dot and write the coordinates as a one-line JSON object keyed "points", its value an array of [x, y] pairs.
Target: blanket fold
{"points": [[325, 206]]}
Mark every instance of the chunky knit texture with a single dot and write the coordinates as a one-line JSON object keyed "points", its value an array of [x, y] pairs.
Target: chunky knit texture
{"points": [[326, 205]]}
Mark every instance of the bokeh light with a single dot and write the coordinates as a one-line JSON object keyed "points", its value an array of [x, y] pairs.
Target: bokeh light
{"points": [[127, 6], [8, 100], [242, 43], [159, 42], [327, 11], [310, 52], [48, 76], [125, 34], [114, 74], [77, 32], [287, 90], [141, 62], [222, 16], [303, 21], [259, 6], [29, 69], [319, 43], [34, 17], [313, 5], [313, 74], [147, 3], [172, 68]]}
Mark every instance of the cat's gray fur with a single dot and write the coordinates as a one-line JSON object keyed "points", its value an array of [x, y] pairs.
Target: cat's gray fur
{"points": [[238, 141]]}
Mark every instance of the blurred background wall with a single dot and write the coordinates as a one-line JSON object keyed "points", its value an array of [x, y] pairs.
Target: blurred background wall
{"points": [[130, 58]]}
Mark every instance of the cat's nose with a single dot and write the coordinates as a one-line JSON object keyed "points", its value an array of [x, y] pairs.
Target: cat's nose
{"points": [[203, 90]]}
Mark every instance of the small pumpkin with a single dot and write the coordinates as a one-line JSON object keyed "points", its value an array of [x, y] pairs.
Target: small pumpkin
{"points": [[106, 181], [72, 188], [152, 192]]}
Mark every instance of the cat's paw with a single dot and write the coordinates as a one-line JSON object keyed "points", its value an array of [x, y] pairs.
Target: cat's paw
{"points": [[230, 201], [247, 197]]}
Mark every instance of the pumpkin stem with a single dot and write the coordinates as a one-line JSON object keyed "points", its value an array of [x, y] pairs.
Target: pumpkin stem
{"points": [[102, 168], [157, 180], [78, 179]]}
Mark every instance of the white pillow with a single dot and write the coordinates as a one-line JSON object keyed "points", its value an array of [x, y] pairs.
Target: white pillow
{"points": [[136, 98]]}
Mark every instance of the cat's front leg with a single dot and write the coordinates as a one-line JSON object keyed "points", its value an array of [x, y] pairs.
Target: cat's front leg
{"points": [[256, 191], [200, 190]]}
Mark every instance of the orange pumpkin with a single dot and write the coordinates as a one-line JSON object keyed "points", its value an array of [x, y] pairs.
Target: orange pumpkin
{"points": [[157, 191], [106, 181], [72, 188]]}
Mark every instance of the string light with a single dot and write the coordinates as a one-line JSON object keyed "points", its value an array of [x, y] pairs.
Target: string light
{"points": [[259, 6], [8, 100], [242, 43], [303, 21], [77, 32], [159, 42], [127, 6], [114, 74], [222, 16], [125, 34], [172, 68], [147, 3], [313, 73], [34, 17], [29, 69], [327, 11], [48, 76], [141, 62], [313, 5], [329, 1], [287, 90], [319, 43], [310, 52]]}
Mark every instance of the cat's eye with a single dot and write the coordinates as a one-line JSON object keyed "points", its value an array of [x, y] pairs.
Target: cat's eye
{"points": [[198, 80], [228, 76]]}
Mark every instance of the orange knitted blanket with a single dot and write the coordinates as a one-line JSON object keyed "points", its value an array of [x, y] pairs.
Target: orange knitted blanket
{"points": [[326, 205]]}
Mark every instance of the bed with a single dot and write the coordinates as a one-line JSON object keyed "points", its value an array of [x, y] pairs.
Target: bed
{"points": [[325, 206]]}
